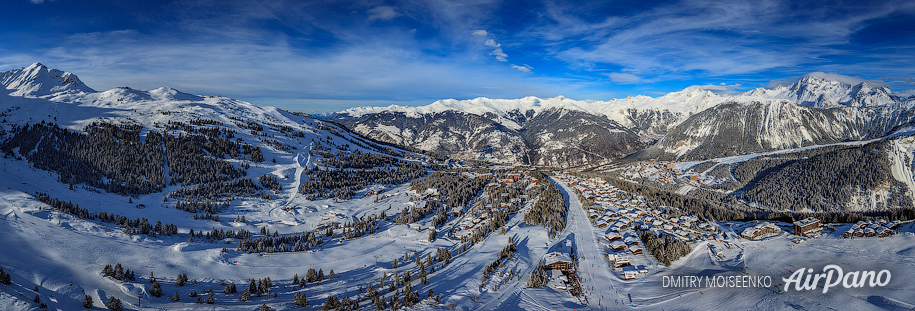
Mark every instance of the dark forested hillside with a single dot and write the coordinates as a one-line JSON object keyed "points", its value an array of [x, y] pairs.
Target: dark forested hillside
{"points": [[109, 157], [829, 180]]}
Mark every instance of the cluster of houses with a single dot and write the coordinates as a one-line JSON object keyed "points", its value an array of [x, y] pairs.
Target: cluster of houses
{"points": [[500, 187], [619, 242], [621, 261], [666, 172], [761, 230], [619, 215], [880, 228]]}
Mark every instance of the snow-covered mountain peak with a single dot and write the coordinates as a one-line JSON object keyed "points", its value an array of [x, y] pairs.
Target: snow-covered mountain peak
{"points": [[38, 80], [828, 90], [168, 93]]}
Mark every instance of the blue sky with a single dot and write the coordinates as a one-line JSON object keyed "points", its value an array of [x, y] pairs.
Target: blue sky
{"points": [[319, 56]]}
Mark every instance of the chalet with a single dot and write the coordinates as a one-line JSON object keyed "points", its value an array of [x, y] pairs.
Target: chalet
{"points": [[603, 224], [617, 246], [760, 230], [619, 261], [629, 275], [561, 258], [635, 249], [807, 226], [612, 237], [514, 176], [493, 186]]}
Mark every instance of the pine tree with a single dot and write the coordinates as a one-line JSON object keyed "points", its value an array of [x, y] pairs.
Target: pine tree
{"points": [[87, 302], [332, 275], [210, 299], [5, 278], [156, 290], [37, 299], [232, 288], [301, 300], [175, 297], [264, 307], [246, 296], [331, 303], [114, 304]]}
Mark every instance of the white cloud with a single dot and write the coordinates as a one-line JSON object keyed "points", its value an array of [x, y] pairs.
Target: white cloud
{"points": [[479, 33], [384, 13], [715, 38], [492, 43], [906, 93], [36, 1], [500, 56], [523, 68], [619, 77]]}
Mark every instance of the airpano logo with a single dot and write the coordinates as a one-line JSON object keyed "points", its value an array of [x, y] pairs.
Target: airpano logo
{"points": [[834, 277]]}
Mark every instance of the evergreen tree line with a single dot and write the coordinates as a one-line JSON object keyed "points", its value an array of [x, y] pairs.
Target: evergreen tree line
{"points": [[454, 189], [119, 273], [113, 158], [538, 277], [303, 241], [131, 226], [664, 247], [505, 253], [549, 211], [270, 182], [828, 181], [220, 234], [108, 157], [342, 184]]}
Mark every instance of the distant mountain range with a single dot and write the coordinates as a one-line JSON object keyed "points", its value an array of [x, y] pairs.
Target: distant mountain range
{"points": [[690, 124]]}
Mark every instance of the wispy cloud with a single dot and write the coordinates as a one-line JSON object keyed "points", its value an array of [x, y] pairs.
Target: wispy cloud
{"points": [[620, 77], [709, 38], [522, 68], [384, 13]]}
